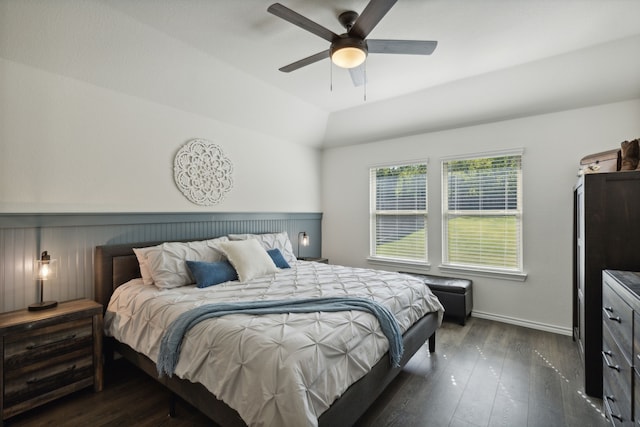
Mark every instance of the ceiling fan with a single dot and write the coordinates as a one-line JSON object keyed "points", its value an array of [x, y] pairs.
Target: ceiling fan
{"points": [[349, 50]]}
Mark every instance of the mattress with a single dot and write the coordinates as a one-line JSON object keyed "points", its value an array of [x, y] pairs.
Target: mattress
{"points": [[276, 369]]}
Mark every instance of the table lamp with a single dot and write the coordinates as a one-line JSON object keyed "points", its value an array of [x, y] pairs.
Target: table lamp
{"points": [[44, 269], [303, 240]]}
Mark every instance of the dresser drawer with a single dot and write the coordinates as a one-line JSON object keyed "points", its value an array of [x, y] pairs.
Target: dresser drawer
{"points": [[617, 379], [636, 399], [618, 316], [636, 349], [611, 412]]}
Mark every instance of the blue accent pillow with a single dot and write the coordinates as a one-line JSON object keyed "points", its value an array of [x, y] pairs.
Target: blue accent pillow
{"points": [[278, 258], [212, 273]]}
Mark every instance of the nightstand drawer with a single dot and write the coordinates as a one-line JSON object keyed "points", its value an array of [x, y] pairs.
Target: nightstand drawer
{"points": [[44, 344], [618, 316], [23, 385]]}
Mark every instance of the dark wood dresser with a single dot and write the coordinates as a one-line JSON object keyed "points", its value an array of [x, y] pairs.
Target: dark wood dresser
{"points": [[48, 354], [606, 236], [621, 346]]}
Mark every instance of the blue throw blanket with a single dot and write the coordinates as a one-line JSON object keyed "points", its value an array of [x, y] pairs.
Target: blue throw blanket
{"points": [[172, 339]]}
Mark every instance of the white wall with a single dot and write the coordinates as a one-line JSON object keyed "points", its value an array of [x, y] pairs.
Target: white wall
{"points": [[94, 105], [553, 146], [69, 146]]}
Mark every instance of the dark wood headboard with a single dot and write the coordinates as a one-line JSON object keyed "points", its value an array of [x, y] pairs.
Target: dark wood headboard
{"points": [[115, 265]]}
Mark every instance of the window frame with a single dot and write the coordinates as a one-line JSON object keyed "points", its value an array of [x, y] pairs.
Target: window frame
{"points": [[374, 213], [516, 273]]}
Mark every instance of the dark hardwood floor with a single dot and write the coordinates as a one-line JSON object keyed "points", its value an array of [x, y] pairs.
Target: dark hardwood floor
{"points": [[482, 374]]}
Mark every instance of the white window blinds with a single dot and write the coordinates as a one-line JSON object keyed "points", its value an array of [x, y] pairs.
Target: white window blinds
{"points": [[482, 212], [399, 212]]}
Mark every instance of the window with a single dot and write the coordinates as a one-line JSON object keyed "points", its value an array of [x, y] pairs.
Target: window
{"points": [[399, 213], [482, 212]]}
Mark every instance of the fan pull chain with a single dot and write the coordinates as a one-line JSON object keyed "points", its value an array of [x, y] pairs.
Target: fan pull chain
{"points": [[365, 81], [330, 76]]}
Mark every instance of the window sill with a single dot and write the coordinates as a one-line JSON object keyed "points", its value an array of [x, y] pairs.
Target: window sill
{"points": [[414, 265], [517, 276]]}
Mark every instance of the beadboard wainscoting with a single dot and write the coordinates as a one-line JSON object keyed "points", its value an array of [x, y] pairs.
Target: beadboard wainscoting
{"points": [[71, 240]]}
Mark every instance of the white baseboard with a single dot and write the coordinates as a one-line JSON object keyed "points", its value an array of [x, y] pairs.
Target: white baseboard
{"points": [[521, 322]]}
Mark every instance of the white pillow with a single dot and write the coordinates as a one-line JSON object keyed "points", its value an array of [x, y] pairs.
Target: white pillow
{"points": [[141, 254], [271, 241], [249, 258], [167, 265]]}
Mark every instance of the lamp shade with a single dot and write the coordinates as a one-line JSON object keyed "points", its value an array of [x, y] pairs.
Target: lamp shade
{"points": [[303, 240], [44, 269]]}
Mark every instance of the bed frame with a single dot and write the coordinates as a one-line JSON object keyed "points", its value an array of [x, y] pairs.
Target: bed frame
{"points": [[117, 264]]}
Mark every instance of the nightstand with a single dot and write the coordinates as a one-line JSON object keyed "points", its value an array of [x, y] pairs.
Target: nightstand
{"points": [[48, 354], [314, 259]]}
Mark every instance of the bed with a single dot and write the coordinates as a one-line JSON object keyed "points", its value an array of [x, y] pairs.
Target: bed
{"points": [[118, 271]]}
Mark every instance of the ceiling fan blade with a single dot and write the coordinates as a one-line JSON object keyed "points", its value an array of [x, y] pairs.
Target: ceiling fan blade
{"points": [[370, 16], [306, 61], [407, 47], [303, 22], [358, 75]]}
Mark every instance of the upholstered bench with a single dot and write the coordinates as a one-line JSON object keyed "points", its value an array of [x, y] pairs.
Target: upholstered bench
{"points": [[455, 294]]}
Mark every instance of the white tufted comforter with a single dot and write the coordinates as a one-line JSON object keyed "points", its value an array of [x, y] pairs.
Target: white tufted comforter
{"points": [[279, 369]]}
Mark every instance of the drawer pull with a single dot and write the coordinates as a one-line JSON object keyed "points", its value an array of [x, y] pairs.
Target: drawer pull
{"points": [[615, 318], [609, 309], [611, 398], [606, 353], [36, 380], [617, 417], [34, 346]]}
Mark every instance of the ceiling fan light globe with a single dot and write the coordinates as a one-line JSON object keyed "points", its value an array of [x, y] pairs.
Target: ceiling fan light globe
{"points": [[348, 52], [348, 57]]}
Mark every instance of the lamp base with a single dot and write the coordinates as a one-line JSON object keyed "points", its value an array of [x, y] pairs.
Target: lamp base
{"points": [[44, 305]]}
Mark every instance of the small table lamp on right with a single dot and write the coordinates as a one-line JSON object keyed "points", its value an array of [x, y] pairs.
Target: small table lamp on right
{"points": [[303, 240]]}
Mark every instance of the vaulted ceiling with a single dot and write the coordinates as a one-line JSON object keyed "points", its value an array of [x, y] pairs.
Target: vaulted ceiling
{"points": [[475, 37], [495, 59]]}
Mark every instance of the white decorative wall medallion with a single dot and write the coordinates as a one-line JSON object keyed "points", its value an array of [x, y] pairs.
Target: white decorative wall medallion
{"points": [[202, 172]]}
